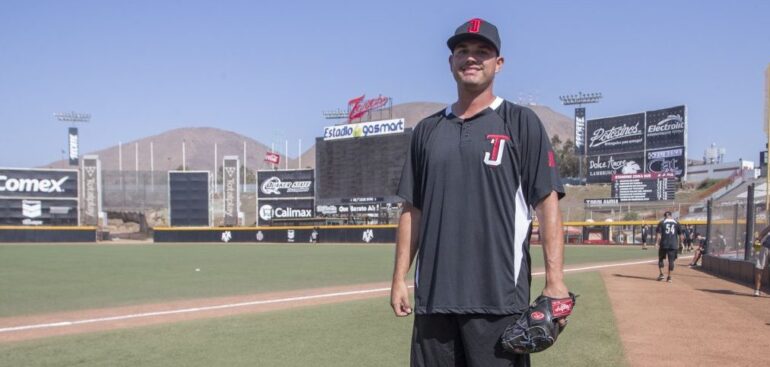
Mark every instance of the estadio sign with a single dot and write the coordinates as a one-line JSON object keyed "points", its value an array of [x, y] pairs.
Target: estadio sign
{"points": [[36, 183], [364, 129]]}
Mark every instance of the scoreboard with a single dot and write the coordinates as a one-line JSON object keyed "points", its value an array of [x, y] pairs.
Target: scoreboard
{"points": [[644, 187], [361, 167]]}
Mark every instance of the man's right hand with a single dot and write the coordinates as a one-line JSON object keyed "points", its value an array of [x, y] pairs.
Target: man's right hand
{"points": [[399, 298]]}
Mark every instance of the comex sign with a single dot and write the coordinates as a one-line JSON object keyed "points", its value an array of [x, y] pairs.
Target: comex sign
{"points": [[31, 184], [364, 129]]}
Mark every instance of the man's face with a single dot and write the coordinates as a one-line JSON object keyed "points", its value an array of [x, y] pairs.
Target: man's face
{"points": [[474, 63]]}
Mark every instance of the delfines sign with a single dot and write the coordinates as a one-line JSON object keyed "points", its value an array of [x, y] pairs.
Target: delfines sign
{"points": [[364, 129]]}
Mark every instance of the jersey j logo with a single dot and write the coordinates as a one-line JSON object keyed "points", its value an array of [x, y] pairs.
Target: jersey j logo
{"points": [[498, 147]]}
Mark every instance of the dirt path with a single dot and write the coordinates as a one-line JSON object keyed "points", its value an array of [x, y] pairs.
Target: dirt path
{"points": [[697, 320]]}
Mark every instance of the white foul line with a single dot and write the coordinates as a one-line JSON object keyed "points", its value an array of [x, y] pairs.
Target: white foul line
{"points": [[254, 303]]}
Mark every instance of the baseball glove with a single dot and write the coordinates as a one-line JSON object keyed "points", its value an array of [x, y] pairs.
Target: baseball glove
{"points": [[538, 328]]}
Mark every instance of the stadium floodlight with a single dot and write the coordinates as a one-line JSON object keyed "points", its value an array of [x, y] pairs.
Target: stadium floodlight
{"points": [[580, 98], [335, 115], [72, 116]]}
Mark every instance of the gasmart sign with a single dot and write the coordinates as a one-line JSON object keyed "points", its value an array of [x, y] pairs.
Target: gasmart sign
{"points": [[364, 129]]}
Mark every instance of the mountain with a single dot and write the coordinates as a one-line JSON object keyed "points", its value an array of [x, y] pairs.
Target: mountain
{"points": [[167, 151]]}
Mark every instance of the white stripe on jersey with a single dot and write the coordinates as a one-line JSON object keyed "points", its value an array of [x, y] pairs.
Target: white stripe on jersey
{"points": [[521, 228]]}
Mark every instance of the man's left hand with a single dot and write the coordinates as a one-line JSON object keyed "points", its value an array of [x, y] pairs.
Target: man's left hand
{"points": [[557, 290]]}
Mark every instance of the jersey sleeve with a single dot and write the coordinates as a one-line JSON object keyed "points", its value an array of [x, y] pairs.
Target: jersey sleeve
{"points": [[659, 229], [540, 174], [410, 185]]}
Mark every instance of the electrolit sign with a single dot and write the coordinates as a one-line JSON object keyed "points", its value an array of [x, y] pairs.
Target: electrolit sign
{"points": [[364, 129]]}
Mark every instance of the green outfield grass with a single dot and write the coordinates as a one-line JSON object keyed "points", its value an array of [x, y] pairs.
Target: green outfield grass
{"points": [[359, 333], [39, 279]]}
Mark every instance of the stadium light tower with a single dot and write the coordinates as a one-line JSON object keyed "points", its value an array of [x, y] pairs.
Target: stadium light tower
{"points": [[580, 121], [72, 141]]}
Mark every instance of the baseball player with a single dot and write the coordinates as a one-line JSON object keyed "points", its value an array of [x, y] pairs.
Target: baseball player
{"points": [[472, 176], [669, 239], [761, 256]]}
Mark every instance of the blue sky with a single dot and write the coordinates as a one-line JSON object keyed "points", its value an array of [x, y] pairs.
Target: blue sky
{"points": [[268, 69]]}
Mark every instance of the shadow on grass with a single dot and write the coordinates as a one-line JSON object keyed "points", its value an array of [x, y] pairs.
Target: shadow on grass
{"points": [[727, 292]]}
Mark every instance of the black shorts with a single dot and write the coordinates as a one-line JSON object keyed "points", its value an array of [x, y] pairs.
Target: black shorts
{"points": [[462, 340], [666, 252]]}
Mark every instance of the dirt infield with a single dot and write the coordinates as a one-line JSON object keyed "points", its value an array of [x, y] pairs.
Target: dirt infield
{"points": [[697, 320]]}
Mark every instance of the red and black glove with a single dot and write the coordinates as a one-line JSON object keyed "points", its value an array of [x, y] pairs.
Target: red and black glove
{"points": [[538, 328]]}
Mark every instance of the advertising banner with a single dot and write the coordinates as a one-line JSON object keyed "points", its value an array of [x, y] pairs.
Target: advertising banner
{"points": [[38, 212], [602, 167], [666, 128], [364, 129], [72, 143], [348, 209], [615, 134], [273, 158], [667, 160], [580, 130], [188, 195], [286, 184], [601, 202], [92, 190], [231, 188], [269, 210], [38, 183]]}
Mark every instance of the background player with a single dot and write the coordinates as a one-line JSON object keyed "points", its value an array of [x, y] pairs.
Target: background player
{"points": [[669, 239]]}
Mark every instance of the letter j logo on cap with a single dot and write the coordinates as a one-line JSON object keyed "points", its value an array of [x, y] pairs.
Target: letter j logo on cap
{"points": [[474, 25]]}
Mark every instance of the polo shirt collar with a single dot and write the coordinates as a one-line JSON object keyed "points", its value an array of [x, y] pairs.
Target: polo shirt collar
{"points": [[494, 105]]}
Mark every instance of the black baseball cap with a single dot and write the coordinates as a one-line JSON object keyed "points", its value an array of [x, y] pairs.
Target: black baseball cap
{"points": [[475, 28]]}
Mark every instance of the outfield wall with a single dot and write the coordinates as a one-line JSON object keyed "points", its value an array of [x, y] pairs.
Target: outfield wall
{"points": [[303, 234], [47, 234]]}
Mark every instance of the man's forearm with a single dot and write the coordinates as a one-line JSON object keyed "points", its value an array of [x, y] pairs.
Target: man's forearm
{"points": [[552, 237], [406, 241]]}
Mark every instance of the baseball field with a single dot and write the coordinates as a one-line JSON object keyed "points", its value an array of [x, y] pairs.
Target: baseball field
{"points": [[271, 305]]}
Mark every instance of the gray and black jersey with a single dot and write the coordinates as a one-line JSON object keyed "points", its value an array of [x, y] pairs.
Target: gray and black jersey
{"points": [[669, 232], [476, 182]]}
